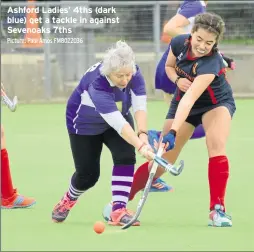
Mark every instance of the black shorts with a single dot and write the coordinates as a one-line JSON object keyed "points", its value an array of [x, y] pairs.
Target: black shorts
{"points": [[195, 117], [86, 149]]}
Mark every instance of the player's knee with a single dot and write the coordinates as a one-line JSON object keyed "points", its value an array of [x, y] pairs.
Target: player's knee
{"points": [[2, 131], [3, 145], [126, 158], [85, 181], [216, 145]]}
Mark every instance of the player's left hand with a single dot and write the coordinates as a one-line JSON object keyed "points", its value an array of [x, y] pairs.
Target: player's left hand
{"points": [[153, 137], [230, 62]]}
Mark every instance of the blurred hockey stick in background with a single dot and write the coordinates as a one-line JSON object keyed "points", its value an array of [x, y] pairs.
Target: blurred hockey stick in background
{"points": [[11, 104]]}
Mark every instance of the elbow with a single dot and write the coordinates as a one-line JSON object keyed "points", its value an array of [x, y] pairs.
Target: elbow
{"points": [[168, 29], [167, 67], [169, 70]]}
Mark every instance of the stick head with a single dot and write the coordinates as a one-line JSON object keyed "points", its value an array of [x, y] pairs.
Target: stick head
{"points": [[175, 171], [14, 104]]}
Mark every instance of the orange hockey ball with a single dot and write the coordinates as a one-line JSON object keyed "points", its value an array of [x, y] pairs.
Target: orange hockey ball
{"points": [[99, 227]]}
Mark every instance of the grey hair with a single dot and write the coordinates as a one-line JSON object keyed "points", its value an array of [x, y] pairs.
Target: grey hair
{"points": [[117, 57]]}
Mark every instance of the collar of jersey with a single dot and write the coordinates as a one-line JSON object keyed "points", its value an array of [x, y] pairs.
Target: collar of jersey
{"points": [[110, 82]]}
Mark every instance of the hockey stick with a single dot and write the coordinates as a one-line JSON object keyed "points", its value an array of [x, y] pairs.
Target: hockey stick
{"points": [[145, 192], [172, 169], [168, 167], [11, 104]]}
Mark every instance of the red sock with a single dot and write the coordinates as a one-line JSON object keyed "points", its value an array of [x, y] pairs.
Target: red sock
{"points": [[7, 189], [218, 173], [139, 180]]}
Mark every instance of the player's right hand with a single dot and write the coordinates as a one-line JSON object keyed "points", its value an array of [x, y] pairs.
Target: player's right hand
{"points": [[184, 84]]}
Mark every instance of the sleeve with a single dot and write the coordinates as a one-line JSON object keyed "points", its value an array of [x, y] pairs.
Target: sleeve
{"points": [[177, 44], [190, 9], [105, 105], [138, 93], [210, 65]]}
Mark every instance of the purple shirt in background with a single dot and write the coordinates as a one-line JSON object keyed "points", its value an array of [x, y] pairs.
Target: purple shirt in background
{"points": [[188, 9]]}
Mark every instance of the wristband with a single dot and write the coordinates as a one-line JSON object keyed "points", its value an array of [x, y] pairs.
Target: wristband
{"points": [[173, 132], [143, 144], [177, 79], [142, 132]]}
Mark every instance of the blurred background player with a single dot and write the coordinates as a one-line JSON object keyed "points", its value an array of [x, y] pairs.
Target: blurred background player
{"points": [[10, 198], [181, 23], [204, 96], [98, 113]]}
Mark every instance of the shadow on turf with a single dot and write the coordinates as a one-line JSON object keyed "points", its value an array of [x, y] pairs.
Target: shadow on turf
{"points": [[146, 224], [77, 223], [173, 225]]}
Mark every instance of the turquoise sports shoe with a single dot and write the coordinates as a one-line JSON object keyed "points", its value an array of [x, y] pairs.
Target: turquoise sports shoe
{"points": [[160, 186], [107, 211], [218, 218], [17, 201]]}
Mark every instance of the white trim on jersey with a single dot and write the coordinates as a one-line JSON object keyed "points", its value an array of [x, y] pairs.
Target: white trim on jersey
{"points": [[138, 102], [74, 126], [115, 120], [110, 82], [86, 100]]}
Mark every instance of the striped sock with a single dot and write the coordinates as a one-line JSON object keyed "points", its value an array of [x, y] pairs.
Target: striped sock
{"points": [[122, 178], [73, 193]]}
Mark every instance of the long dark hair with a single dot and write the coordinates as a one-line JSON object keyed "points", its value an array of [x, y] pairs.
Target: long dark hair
{"points": [[212, 23]]}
